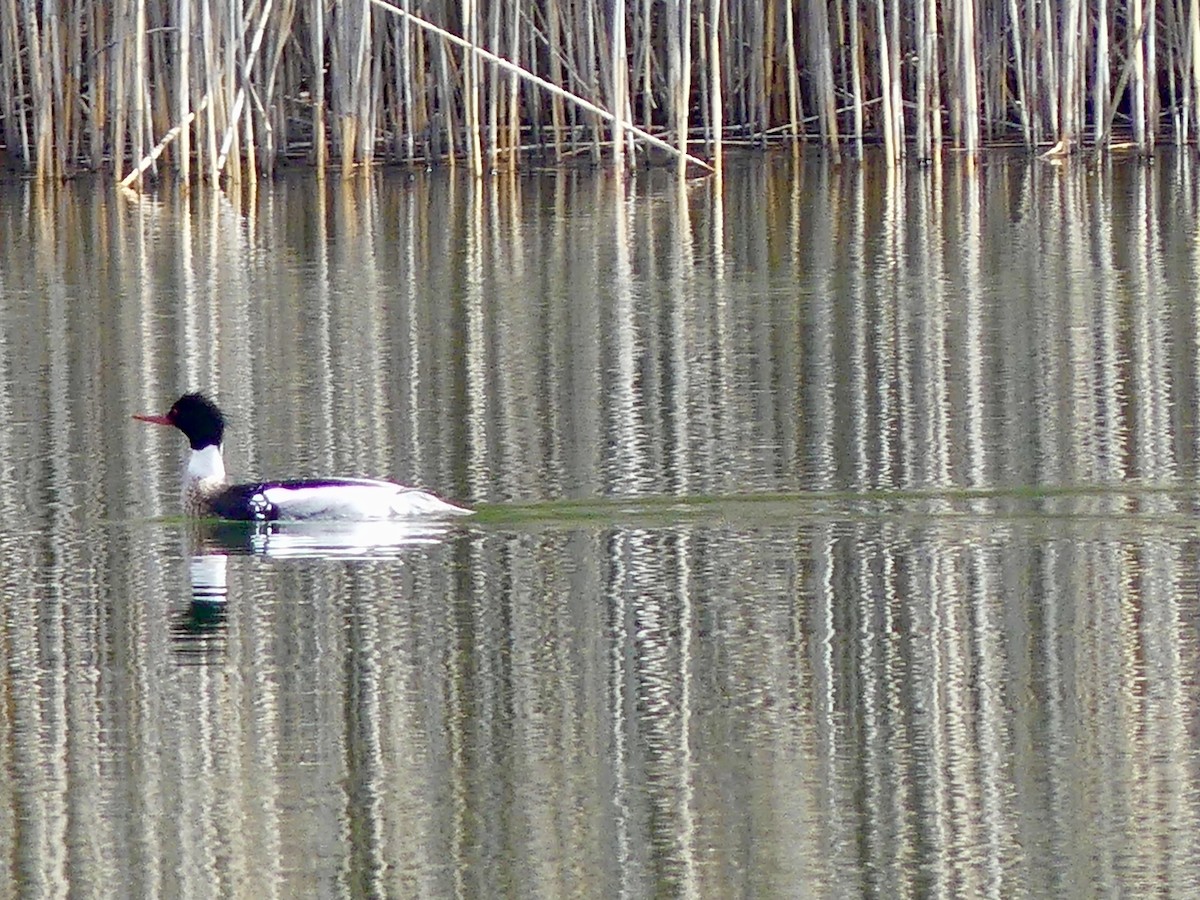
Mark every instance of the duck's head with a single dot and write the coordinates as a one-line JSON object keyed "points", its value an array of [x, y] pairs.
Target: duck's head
{"points": [[197, 417]]}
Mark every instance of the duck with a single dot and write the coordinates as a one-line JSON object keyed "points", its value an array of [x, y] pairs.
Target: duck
{"points": [[206, 492]]}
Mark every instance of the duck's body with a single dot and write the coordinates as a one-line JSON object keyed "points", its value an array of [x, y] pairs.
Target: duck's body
{"points": [[206, 492]]}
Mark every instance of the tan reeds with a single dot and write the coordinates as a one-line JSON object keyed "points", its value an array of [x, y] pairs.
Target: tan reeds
{"points": [[227, 88]]}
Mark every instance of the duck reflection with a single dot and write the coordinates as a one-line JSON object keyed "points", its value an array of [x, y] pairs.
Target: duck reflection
{"points": [[199, 629], [315, 539]]}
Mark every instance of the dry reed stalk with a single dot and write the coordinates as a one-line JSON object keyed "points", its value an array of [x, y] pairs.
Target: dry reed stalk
{"points": [[281, 33], [924, 39], [118, 83], [1111, 102], [795, 115], [644, 68], [678, 81], [404, 81], [446, 92], [493, 89], [1050, 40], [317, 88], [73, 91], [969, 103], [11, 75], [1072, 97], [52, 16], [229, 23], [1193, 45], [716, 109], [97, 87], [557, 119], [1179, 95], [140, 126], [826, 92], [40, 97], [471, 88], [1019, 73], [1150, 77], [211, 73], [891, 148], [619, 92], [856, 78], [183, 96], [514, 84], [895, 78], [757, 117], [586, 64]]}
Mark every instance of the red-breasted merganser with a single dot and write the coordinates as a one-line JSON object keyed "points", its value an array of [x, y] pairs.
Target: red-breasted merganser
{"points": [[205, 492]]}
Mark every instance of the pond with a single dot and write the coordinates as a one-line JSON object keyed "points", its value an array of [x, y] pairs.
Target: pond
{"points": [[836, 535]]}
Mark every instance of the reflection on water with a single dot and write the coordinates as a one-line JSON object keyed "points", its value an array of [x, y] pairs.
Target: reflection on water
{"points": [[200, 625], [880, 575]]}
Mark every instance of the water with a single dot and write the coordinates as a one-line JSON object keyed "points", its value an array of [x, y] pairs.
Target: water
{"points": [[836, 536]]}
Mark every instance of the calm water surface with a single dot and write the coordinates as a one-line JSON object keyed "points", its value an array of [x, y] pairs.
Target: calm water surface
{"points": [[837, 536]]}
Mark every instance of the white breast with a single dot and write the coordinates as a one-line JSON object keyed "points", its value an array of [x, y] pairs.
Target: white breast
{"points": [[204, 476]]}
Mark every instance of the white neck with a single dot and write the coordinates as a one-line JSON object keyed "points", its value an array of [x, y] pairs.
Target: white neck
{"points": [[205, 465], [204, 477]]}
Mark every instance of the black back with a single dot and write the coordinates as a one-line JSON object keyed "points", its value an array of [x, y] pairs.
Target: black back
{"points": [[244, 503]]}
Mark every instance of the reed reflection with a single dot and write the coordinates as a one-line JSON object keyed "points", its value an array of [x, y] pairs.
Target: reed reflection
{"points": [[945, 647]]}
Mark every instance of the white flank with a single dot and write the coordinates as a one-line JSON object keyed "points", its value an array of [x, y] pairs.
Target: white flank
{"points": [[359, 500]]}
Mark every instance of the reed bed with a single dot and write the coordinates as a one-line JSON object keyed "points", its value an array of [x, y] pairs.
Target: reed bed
{"points": [[231, 88]]}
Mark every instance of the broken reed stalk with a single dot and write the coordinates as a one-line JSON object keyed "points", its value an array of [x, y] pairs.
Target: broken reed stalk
{"points": [[179, 130]]}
